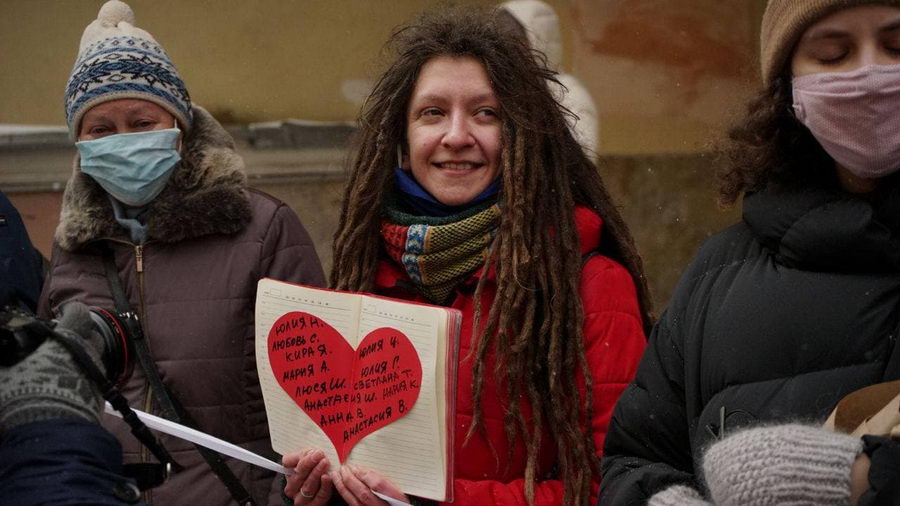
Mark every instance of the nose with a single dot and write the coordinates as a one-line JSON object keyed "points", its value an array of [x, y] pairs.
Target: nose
{"points": [[458, 134], [874, 53]]}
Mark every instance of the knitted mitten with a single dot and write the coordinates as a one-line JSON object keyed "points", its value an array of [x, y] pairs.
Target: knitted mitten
{"points": [[48, 383], [678, 495], [783, 464]]}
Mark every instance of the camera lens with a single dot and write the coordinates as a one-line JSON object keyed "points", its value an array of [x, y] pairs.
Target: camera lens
{"points": [[117, 357]]}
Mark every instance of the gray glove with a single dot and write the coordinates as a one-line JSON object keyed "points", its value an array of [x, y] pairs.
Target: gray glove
{"points": [[678, 495], [48, 383], [783, 464]]}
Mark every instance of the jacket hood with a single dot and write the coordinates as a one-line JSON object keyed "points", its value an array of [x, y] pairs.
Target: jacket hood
{"points": [[542, 26], [828, 229], [205, 194]]}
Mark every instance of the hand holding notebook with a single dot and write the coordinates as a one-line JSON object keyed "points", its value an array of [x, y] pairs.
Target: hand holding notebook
{"points": [[370, 381]]}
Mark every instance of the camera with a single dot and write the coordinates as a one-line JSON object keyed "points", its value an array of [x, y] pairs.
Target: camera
{"points": [[21, 333]]}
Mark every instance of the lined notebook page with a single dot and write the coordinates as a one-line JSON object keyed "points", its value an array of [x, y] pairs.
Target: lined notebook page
{"points": [[290, 428], [411, 451], [416, 438]]}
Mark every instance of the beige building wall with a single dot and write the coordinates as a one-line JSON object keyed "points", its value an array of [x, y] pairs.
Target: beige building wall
{"points": [[664, 73], [667, 77], [243, 60]]}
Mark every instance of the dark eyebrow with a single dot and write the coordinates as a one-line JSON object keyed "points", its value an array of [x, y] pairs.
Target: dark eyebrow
{"points": [[484, 97], [429, 97], [142, 107], [440, 99], [890, 27], [834, 33], [827, 33], [94, 117]]}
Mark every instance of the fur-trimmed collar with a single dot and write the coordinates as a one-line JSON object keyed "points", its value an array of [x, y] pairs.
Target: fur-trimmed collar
{"points": [[205, 194]]}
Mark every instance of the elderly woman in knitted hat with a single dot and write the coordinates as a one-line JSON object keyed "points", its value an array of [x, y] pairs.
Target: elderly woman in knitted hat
{"points": [[785, 313], [468, 190], [158, 203]]}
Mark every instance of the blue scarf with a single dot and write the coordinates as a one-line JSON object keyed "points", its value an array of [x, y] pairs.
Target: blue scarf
{"points": [[134, 219], [423, 203]]}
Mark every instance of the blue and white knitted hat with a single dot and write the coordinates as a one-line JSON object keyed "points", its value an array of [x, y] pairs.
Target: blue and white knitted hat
{"points": [[118, 60]]}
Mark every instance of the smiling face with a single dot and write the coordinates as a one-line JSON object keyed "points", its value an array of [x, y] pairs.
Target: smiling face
{"points": [[127, 115], [849, 39], [453, 130]]}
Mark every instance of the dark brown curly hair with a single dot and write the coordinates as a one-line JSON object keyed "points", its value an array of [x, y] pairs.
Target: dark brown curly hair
{"points": [[534, 326], [770, 148]]}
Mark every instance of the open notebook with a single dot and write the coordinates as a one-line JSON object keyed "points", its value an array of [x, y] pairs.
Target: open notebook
{"points": [[369, 380]]}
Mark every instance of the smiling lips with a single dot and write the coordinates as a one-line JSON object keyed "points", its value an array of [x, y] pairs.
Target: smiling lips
{"points": [[458, 165]]}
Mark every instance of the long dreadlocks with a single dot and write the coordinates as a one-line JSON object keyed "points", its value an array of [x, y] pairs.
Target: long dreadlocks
{"points": [[534, 326]]}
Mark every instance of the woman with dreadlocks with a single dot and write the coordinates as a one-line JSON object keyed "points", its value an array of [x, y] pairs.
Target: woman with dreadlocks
{"points": [[510, 211]]}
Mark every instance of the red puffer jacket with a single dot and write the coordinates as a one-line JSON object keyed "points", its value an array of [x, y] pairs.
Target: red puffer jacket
{"points": [[615, 343]]}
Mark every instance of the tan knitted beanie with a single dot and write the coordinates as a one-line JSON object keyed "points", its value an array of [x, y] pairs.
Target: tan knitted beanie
{"points": [[784, 23]]}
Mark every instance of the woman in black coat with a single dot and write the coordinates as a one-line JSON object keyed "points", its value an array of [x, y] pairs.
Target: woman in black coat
{"points": [[780, 316]]}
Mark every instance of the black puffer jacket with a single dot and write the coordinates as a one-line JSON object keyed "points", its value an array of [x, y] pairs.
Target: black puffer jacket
{"points": [[776, 319]]}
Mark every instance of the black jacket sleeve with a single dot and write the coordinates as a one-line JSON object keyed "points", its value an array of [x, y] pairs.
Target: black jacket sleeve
{"points": [[884, 472], [648, 444], [20, 264], [64, 461], [652, 433]]}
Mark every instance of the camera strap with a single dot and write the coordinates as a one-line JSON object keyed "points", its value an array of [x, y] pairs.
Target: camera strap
{"points": [[146, 478], [168, 404]]}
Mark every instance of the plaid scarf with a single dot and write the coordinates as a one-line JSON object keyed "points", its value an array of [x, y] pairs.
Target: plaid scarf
{"points": [[438, 253]]}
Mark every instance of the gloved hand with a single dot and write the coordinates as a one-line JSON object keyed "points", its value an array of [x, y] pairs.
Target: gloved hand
{"points": [[678, 495], [48, 383], [783, 464]]}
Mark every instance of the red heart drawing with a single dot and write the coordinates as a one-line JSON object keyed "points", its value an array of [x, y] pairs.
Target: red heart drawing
{"points": [[348, 393]]}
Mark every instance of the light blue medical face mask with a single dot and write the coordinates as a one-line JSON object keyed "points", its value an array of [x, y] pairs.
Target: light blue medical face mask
{"points": [[133, 167]]}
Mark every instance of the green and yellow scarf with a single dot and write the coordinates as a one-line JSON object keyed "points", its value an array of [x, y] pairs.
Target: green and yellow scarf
{"points": [[439, 253]]}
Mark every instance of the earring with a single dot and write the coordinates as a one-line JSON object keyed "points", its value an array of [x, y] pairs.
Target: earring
{"points": [[399, 156]]}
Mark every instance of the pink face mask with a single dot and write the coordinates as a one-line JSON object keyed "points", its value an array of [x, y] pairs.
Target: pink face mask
{"points": [[855, 116]]}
